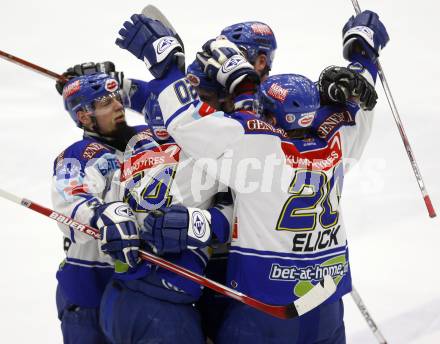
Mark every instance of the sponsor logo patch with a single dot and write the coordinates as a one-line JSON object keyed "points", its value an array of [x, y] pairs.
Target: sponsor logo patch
{"points": [[71, 89], [277, 92], [261, 29], [306, 119], [111, 85], [161, 133], [334, 121], [194, 80], [93, 149], [290, 118]]}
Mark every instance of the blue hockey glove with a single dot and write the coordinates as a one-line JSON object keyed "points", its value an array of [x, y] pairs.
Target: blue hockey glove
{"points": [[223, 61], [150, 41], [119, 232], [339, 84], [174, 229], [364, 34]]}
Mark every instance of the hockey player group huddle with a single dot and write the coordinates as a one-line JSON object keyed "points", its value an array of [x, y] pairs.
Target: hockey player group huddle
{"points": [[236, 175]]}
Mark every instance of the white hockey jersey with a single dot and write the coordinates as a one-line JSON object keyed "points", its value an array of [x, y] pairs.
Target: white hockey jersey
{"points": [[289, 229]]}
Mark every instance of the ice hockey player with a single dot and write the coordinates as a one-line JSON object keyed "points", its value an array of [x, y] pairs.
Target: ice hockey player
{"points": [[141, 299], [290, 231], [152, 187], [84, 189]]}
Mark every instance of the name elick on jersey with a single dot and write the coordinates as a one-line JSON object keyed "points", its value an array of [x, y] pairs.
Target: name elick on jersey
{"points": [[312, 242]]}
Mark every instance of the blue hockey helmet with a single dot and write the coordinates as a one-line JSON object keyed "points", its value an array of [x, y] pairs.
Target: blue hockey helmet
{"points": [[291, 98], [81, 92], [254, 38], [154, 118], [197, 78]]}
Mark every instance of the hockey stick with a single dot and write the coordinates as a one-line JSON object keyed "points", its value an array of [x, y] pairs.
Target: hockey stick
{"points": [[317, 295], [358, 301], [398, 121], [154, 13], [31, 66]]}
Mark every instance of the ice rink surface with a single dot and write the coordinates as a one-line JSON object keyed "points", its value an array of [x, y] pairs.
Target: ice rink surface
{"points": [[393, 242]]}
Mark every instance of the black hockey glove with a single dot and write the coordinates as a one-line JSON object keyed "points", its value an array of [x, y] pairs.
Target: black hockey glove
{"points": [[87, 68], [339, 84]]}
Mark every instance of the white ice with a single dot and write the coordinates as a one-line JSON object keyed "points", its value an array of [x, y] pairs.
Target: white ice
{"points": [[393, 242]]}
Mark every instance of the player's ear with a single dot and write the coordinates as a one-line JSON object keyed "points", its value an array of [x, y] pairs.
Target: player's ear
{"points": [[260, 63], [84, 118]]}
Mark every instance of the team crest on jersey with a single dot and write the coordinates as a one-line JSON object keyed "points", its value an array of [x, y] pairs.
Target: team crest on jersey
{"points": [[111, 85], [261, 29], [277, 92], [71, 89], [164, 44], [199, 224], [232, 63]]}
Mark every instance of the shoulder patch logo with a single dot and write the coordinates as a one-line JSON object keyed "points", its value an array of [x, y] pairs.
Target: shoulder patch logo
{"points": [[92, 149]]}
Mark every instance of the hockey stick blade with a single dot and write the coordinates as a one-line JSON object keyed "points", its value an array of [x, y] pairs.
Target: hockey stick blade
{"points": [[153, 12], [317, 295]]}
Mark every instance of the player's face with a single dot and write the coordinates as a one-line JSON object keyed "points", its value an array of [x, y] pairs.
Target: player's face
{"points": [[109, 113]]}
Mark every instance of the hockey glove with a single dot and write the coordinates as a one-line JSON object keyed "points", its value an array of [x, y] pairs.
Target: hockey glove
{"points": [[152, 42], [364, 34], [87, 68], [339, 84], [174, 229], [223, 61], [119, 232]]}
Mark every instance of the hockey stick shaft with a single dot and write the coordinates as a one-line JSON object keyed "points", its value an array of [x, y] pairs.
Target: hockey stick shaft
{"points": [[318, 294], [31, 66], [361, 305], [402, 132]]}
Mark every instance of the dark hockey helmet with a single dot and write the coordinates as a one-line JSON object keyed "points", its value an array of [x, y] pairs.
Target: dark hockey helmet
{"points": [[81, 92], [291, 98], [154, 118], [197, 78], [253, 38]]}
